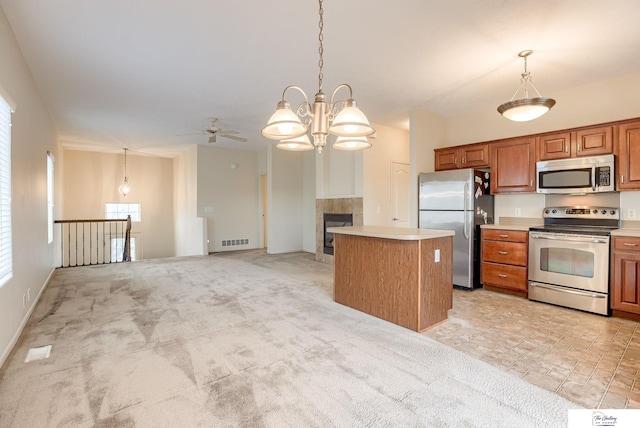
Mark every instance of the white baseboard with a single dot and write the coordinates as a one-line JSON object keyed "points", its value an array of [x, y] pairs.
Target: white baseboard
{"points": [[16, 336]]}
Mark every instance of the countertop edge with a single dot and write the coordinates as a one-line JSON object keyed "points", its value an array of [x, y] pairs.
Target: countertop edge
{"points": [[400, 233]]}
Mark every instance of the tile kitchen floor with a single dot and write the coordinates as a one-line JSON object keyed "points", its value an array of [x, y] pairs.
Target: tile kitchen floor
{"points": [[589, 359]]}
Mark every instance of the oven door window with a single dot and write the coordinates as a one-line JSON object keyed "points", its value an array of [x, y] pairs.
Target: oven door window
{"points": [[567, 261]]}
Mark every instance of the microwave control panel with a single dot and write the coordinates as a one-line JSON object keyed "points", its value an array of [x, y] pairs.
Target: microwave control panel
{"points": [[604, 176]]}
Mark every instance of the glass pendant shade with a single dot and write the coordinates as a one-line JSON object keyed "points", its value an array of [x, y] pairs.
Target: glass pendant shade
{"points": [[284, 124], [351, 143], [124, 188], [297, 144], [351, 122], [526, 109]]}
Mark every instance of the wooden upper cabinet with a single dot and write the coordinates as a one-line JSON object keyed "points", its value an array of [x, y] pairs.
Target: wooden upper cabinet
{"points": [[554, 146], [475, 156], [469, 156], [628, 151], [578, 143], [446, 159], [513, 165], [594, 141]]}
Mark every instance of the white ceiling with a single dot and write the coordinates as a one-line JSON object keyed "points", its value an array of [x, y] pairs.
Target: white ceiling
{"points": [[138, 73]]}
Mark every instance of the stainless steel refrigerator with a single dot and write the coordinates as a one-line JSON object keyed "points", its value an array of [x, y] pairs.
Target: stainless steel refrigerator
{"points": [[458, 200]]}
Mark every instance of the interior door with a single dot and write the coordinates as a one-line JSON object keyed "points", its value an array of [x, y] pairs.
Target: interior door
{"points": [[399, 194]]}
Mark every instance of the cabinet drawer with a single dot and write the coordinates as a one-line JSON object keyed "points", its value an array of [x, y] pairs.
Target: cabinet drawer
{"points": [[626, 243], [513, 253], [505, 235], [506, 276]]}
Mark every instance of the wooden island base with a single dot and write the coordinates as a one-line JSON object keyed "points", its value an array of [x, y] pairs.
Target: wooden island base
{"points": [[395, 276]]}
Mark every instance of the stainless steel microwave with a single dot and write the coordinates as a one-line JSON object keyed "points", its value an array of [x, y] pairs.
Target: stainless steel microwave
{"points": [[577, 175]]}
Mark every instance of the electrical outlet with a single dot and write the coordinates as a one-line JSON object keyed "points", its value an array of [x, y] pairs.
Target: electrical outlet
{"points": [[631, 213], [518, 212], [28, 294], [437, 256]]}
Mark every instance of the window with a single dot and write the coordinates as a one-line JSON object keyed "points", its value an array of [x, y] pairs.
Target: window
{"points": [[6, 262], [50, 160], [116, 211]]}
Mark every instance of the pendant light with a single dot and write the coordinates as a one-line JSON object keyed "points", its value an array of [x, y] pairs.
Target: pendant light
{"points": [[341, 118], [525, 109], [124, 188]]}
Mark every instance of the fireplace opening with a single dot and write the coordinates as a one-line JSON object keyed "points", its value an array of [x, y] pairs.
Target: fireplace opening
{"points": [[334, 220]]}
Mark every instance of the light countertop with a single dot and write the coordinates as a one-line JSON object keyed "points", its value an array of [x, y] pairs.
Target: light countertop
{"points": [[522, 227], [402, 233], [626, 231]]}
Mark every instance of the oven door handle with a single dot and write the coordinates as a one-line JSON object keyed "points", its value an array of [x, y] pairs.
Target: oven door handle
{"points": [[570, 238], [565, 290]]}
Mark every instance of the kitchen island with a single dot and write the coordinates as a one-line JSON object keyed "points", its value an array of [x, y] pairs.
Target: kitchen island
{"points": [[401, 275]]}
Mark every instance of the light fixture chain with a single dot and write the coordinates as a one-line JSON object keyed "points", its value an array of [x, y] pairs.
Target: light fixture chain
{"points": [[321, 48]]}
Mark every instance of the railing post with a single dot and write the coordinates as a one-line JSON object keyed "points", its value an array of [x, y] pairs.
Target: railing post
{"points": [[126, 255]]}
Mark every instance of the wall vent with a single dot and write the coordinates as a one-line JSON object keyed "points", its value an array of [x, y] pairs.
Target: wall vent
{"points": [[234, 242]]}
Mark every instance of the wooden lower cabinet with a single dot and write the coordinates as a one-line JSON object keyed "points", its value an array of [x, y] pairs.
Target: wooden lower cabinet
{"points": [[625, 273], [504, 261]]}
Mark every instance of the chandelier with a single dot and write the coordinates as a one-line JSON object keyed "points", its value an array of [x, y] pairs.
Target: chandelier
{"points": [[524, 109], [341, 118], [124, 188]]}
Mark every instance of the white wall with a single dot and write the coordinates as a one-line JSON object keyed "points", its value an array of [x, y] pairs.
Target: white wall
{"points": [[390, 145], [91, 179], [228, 196], [190, 230], [285, 200], [32, 134], [309, 202], [604, 101], [428, 131]]}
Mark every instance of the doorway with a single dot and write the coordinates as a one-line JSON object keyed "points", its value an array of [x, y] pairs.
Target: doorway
{"points": [[399, 194]]}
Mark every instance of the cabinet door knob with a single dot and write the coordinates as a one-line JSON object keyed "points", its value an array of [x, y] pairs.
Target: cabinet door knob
{"points": [[629, 244], [504, 236], [501, 275], [622, 179], [504, 253]]}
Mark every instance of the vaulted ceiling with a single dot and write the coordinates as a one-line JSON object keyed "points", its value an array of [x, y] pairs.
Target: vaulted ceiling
{"points": [[142, 73]]}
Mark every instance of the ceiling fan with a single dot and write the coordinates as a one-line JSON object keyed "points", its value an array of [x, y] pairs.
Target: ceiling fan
{"points": [[214, 132]]}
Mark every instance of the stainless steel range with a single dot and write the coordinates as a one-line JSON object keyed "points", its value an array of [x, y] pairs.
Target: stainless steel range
{"points": [[569, 257]]}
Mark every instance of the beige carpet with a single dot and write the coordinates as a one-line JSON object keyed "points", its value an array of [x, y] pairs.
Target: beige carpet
{"points": [[243, 339]]}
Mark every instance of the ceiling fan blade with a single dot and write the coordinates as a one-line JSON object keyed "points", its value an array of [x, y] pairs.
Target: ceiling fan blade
{"points": [[232, 131], [242, 140]]}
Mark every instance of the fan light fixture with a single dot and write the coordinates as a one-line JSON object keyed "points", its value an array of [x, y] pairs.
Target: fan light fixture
{"points": [[124, 188], [524, 109], [340, 118]]}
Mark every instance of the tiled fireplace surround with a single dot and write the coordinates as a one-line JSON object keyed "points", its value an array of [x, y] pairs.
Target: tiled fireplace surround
{"points": [[335, 206]]}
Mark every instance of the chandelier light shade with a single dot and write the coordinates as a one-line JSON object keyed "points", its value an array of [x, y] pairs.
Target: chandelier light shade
{"points": [[340, 118], [298, 144], [351, 143], [526, 108], [124, 188]]}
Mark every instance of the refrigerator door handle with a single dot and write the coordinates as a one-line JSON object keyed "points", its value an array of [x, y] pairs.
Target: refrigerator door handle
{"points": [[466, 208]]}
